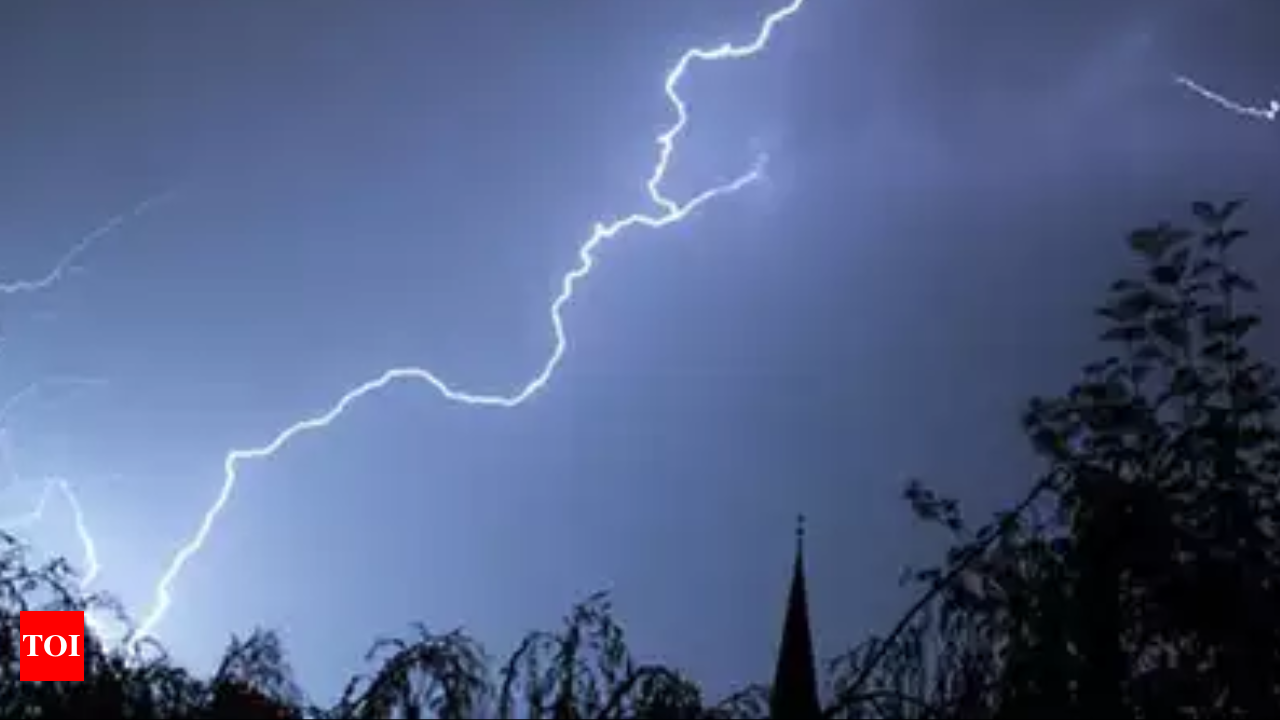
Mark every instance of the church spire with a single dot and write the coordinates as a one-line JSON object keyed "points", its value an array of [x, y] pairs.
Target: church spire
{"points": [[795, 684]]}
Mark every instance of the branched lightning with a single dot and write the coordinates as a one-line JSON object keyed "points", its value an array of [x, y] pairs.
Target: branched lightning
{"points": [[91, 566], [1269, 112], [89, 572], [668, 212], [66, 262], [87, 543]]}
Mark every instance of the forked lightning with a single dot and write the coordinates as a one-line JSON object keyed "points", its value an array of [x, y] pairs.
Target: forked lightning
{"points": [[667, 212]]}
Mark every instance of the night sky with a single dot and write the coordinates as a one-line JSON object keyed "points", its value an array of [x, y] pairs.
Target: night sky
{"points": [[363, 185]]}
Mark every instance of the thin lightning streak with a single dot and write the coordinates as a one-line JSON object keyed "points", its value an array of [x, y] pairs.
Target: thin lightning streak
{"points": [[90, 548], [32, 516], [65, 263], [671, 212], [91, 565], [29, 391], [1270, 112]]}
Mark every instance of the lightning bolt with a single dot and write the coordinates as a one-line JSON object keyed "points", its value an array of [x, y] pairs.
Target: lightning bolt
{"points": [[91, 568], [91, 565], [87, 543], [669, 212], [1269, 112], [66, 263], [36, 515], [55, 275]]}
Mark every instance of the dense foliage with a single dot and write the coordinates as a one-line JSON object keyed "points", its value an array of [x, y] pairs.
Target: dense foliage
{"points": [[1137, 577]]}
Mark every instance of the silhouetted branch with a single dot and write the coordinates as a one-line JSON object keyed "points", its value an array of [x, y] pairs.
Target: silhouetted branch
{"points": [[981, 545]]}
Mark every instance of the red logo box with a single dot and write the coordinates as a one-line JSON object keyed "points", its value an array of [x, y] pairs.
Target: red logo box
{"points": [[52, 645]]}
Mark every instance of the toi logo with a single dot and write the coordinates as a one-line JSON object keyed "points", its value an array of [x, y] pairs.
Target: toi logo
{"points": [[52, 646]]}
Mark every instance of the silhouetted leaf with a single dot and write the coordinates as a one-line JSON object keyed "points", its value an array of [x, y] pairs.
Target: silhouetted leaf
{"points": [[1231, 281], [1151, 243], [1204, 211], [1205, 266], [1227, 211]]}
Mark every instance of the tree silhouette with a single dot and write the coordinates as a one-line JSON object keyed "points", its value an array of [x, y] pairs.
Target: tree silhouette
{"points": [[1138, 575]]}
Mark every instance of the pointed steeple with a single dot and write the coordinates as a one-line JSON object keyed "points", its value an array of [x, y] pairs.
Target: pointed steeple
{"points": [[795, 683]]}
